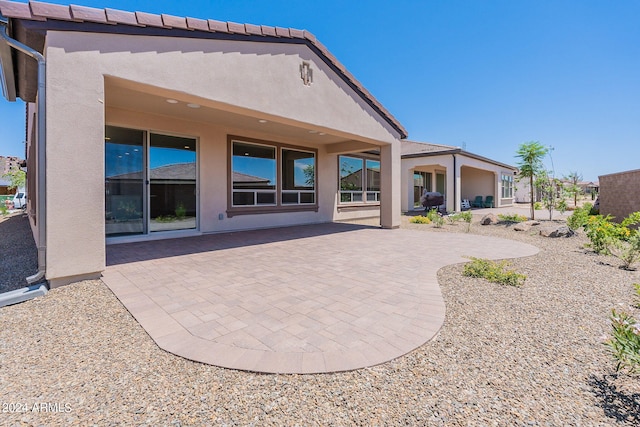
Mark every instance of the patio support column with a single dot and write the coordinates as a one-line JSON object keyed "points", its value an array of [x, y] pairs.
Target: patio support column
{"points": [[390, 187], [458, 183], [407, 196]]}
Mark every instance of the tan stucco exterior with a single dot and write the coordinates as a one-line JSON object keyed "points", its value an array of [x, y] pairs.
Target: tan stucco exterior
{"points": [[95, 80]]}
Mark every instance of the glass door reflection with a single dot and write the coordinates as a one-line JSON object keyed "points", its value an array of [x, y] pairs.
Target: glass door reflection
{"points": [[172, 183], [124, 181]]}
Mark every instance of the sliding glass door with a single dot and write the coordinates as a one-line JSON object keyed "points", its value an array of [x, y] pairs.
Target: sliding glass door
{"points": [[150, 182], [124, 181], [172, 192]]}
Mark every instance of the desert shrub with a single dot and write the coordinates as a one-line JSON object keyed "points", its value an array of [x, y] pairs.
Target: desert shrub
{"points": [[465, 216], [3, 209], [435, 218], [627, 251], [561, 206], [636, 286], [493, 271], [537, 206], [511, 218], [624, 343], [420, 220], [579, 217], [600, 231]]}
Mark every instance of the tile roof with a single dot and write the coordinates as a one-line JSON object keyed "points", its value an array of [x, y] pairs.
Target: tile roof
{"points": [[411, 149], [39, 11]]}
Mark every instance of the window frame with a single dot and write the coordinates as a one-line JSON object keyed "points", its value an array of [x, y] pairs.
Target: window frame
{"points": [[233, 210], [508, 179], [364, 182]]}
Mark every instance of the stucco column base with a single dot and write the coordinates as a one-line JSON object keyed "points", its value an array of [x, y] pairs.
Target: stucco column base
{"points": [[63, 281]]}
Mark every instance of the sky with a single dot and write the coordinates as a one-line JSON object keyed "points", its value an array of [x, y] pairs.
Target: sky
{"points": [[483, 75]]}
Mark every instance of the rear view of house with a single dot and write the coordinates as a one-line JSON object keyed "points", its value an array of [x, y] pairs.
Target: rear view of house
{"points": [[167, 127]]}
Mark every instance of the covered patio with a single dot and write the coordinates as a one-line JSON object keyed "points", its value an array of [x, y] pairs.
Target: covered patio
{"points": [[305, 299]]}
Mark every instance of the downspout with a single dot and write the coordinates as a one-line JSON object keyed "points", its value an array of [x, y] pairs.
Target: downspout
{"points": [[41, 209]]}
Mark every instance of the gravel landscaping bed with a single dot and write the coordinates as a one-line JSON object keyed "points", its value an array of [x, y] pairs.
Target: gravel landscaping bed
{"points": [[505, 356], [19, 253]]}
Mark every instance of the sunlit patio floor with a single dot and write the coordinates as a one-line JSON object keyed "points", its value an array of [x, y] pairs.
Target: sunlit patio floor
{"points": [[306, 299]]}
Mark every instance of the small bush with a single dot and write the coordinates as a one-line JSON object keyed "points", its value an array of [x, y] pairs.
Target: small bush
{"points": [[561, 206], [625, 341], [511, 218], [537, 206], [420, 220], [3, 209], [465, 216], [493, 271], [579, 217], [435, 218], [627, 251]]}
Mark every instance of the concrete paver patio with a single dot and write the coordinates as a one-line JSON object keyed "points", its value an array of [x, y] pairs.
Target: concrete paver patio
{"points": [[307, 299]]}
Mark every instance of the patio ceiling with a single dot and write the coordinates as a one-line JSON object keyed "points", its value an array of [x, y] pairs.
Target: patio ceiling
{"points": [[134, 96]]}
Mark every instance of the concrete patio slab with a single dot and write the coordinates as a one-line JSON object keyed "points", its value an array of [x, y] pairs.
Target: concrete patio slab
{"points": [[308, 299]]}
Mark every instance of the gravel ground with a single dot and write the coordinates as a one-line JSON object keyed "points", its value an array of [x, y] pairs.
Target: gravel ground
{"points": [[19, 253], [505, 356]]}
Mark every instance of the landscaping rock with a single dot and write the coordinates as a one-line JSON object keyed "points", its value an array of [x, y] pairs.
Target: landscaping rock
{"points": [[526, 225], [522, 226], [559, 231], [489, 219]]}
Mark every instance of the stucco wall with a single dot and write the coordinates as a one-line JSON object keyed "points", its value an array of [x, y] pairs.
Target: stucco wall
{"points": [[476, 182], [619, 195], [239, 77]]}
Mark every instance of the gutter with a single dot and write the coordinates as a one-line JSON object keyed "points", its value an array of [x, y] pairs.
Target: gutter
{"points": [[41, 209]]}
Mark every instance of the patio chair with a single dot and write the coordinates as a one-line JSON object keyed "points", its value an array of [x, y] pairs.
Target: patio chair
{"points": [[488, 202], [477, 202], [465, 205]]}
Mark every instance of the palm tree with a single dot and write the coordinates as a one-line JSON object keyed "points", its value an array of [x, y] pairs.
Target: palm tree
{"points": [[531, 154]]}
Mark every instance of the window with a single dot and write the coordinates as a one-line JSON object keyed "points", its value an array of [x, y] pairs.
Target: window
{"points": [[507, 186], [359, 180], [298, 177], [254, 174], [270, 175]]}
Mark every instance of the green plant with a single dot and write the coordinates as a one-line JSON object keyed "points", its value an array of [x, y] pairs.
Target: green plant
{"points": [[466, 217], [627, 251], [624, 343], [537, 206], [572, 188], [511, 218], [493, 271], [3, 209], [600, 230], [561, 206], [17, 178], [419, 219], [579, 217], [165, 218], [435, 218], [531, 154], [181, 211]]}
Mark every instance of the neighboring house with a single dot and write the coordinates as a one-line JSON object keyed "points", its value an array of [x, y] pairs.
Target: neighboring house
{"points": [[253, 122], [9, 163], [455, 173], [5, 188], [619, 195]]}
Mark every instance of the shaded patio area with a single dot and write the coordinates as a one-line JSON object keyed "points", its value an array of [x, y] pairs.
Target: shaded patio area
{"points": [[307, 299]]}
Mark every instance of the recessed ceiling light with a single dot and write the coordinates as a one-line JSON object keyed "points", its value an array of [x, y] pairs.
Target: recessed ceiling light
{"points": [[262, 121], [172, 101], [193, 105], [186, 146], [313, 131]]}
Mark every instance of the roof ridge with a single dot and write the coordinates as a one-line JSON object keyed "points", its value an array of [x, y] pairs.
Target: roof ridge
{"points": [[41, 11]]}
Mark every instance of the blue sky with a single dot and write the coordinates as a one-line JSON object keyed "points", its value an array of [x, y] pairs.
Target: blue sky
{"points": [[485, 75]]}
